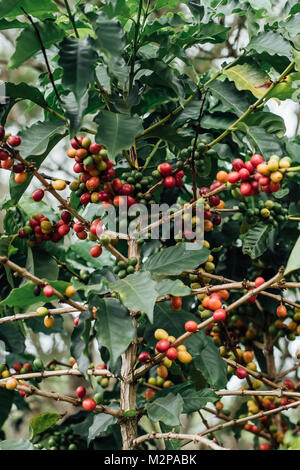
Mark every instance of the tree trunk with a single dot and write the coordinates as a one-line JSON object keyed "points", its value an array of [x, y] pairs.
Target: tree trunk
{"points": [[129, 427]]}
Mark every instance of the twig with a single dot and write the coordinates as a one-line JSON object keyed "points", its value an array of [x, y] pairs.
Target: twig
{"points": [[44, 53], [70, 15], [25, 316], [181, 437]]}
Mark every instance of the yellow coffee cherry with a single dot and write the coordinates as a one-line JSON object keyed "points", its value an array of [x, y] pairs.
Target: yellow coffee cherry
{"points": [[210, 258], [240, 352], [206, 244], [5, 374], [276, 176], [11, 384], [70, 291], [200, 296], [171, 339], [167, 383], [162, 371], [42, 311], [161, 334], [184, 357], [167, 362], [251, 366], [181, 347], [94, 197], [230, 369], [285, 162], [273, 164], [59, 185], [49, 321], [152, 381]]}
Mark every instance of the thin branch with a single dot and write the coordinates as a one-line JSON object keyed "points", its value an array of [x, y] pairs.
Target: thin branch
{"points": [[181, 437], [44, 54], [70, 15], [25, 316]]}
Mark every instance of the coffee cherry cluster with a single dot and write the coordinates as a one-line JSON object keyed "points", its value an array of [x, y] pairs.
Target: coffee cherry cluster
{"points": [[256, 174], [171, 178], [39, 229], [164, 345], [211, 218], [123, 268], [59, 438], [269, 212], [136, 185], [94, 170], [200, 152], [6, 157]]}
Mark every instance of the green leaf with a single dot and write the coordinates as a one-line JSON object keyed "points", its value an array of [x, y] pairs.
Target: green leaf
{"points": [[261, 141], [80, 339], [82, 251], [294, 259], [115, 8], [75, 111], [175, 259], [29, 207], [100, 424], [110, 36], [27, 43], [249, 77], [40, 10], [296, 57], [51, 134], [194, 400], [271, 42], [42, 422], [117, 132], [13, 337], [6, 401], [77, 58], [173, 287], [21, 444], [114, 328], [137, 292], [271, 122], [230, 96], [255, 241], [31, 146], [7, 6], [166, 409], [24, 296], [14, 24], [207, 359], [25, 92]]}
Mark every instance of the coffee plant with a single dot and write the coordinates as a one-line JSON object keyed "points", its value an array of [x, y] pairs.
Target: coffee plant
{"points": [[179, 331]]}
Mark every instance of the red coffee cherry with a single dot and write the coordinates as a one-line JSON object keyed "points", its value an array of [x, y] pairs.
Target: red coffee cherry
{"points": [[219, 315], [259, 281], [89, 404], [162, 345], [246, 189], [191, 326], [281, 311], [63, 230], [85, 198], [244, 174], [241, 373], [144, 356], [165, 169], [48, 291], [66, 217], [80, 391], [256, 160], [176, 303], [14, 140], [76, 321], [171, 354], [170, 182], [38, 195], [233, 177], [96, 251], [95, 148], [3, 155], [265, 446], [238, 164]]}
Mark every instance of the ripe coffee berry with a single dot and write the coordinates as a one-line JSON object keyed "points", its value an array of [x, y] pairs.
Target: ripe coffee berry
{"points": [[96, 251], [144, 356], [89, 404], [165, 169], [172, 354], [48, 291], [246, 189], [281, 311], [241, 373], [14, 140], [170, 182], [238, 164], [191, 326], [66, 217], [176, 303], [80, 391], [219, 315], [162, 345], [259, 281], [38, 195]]}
